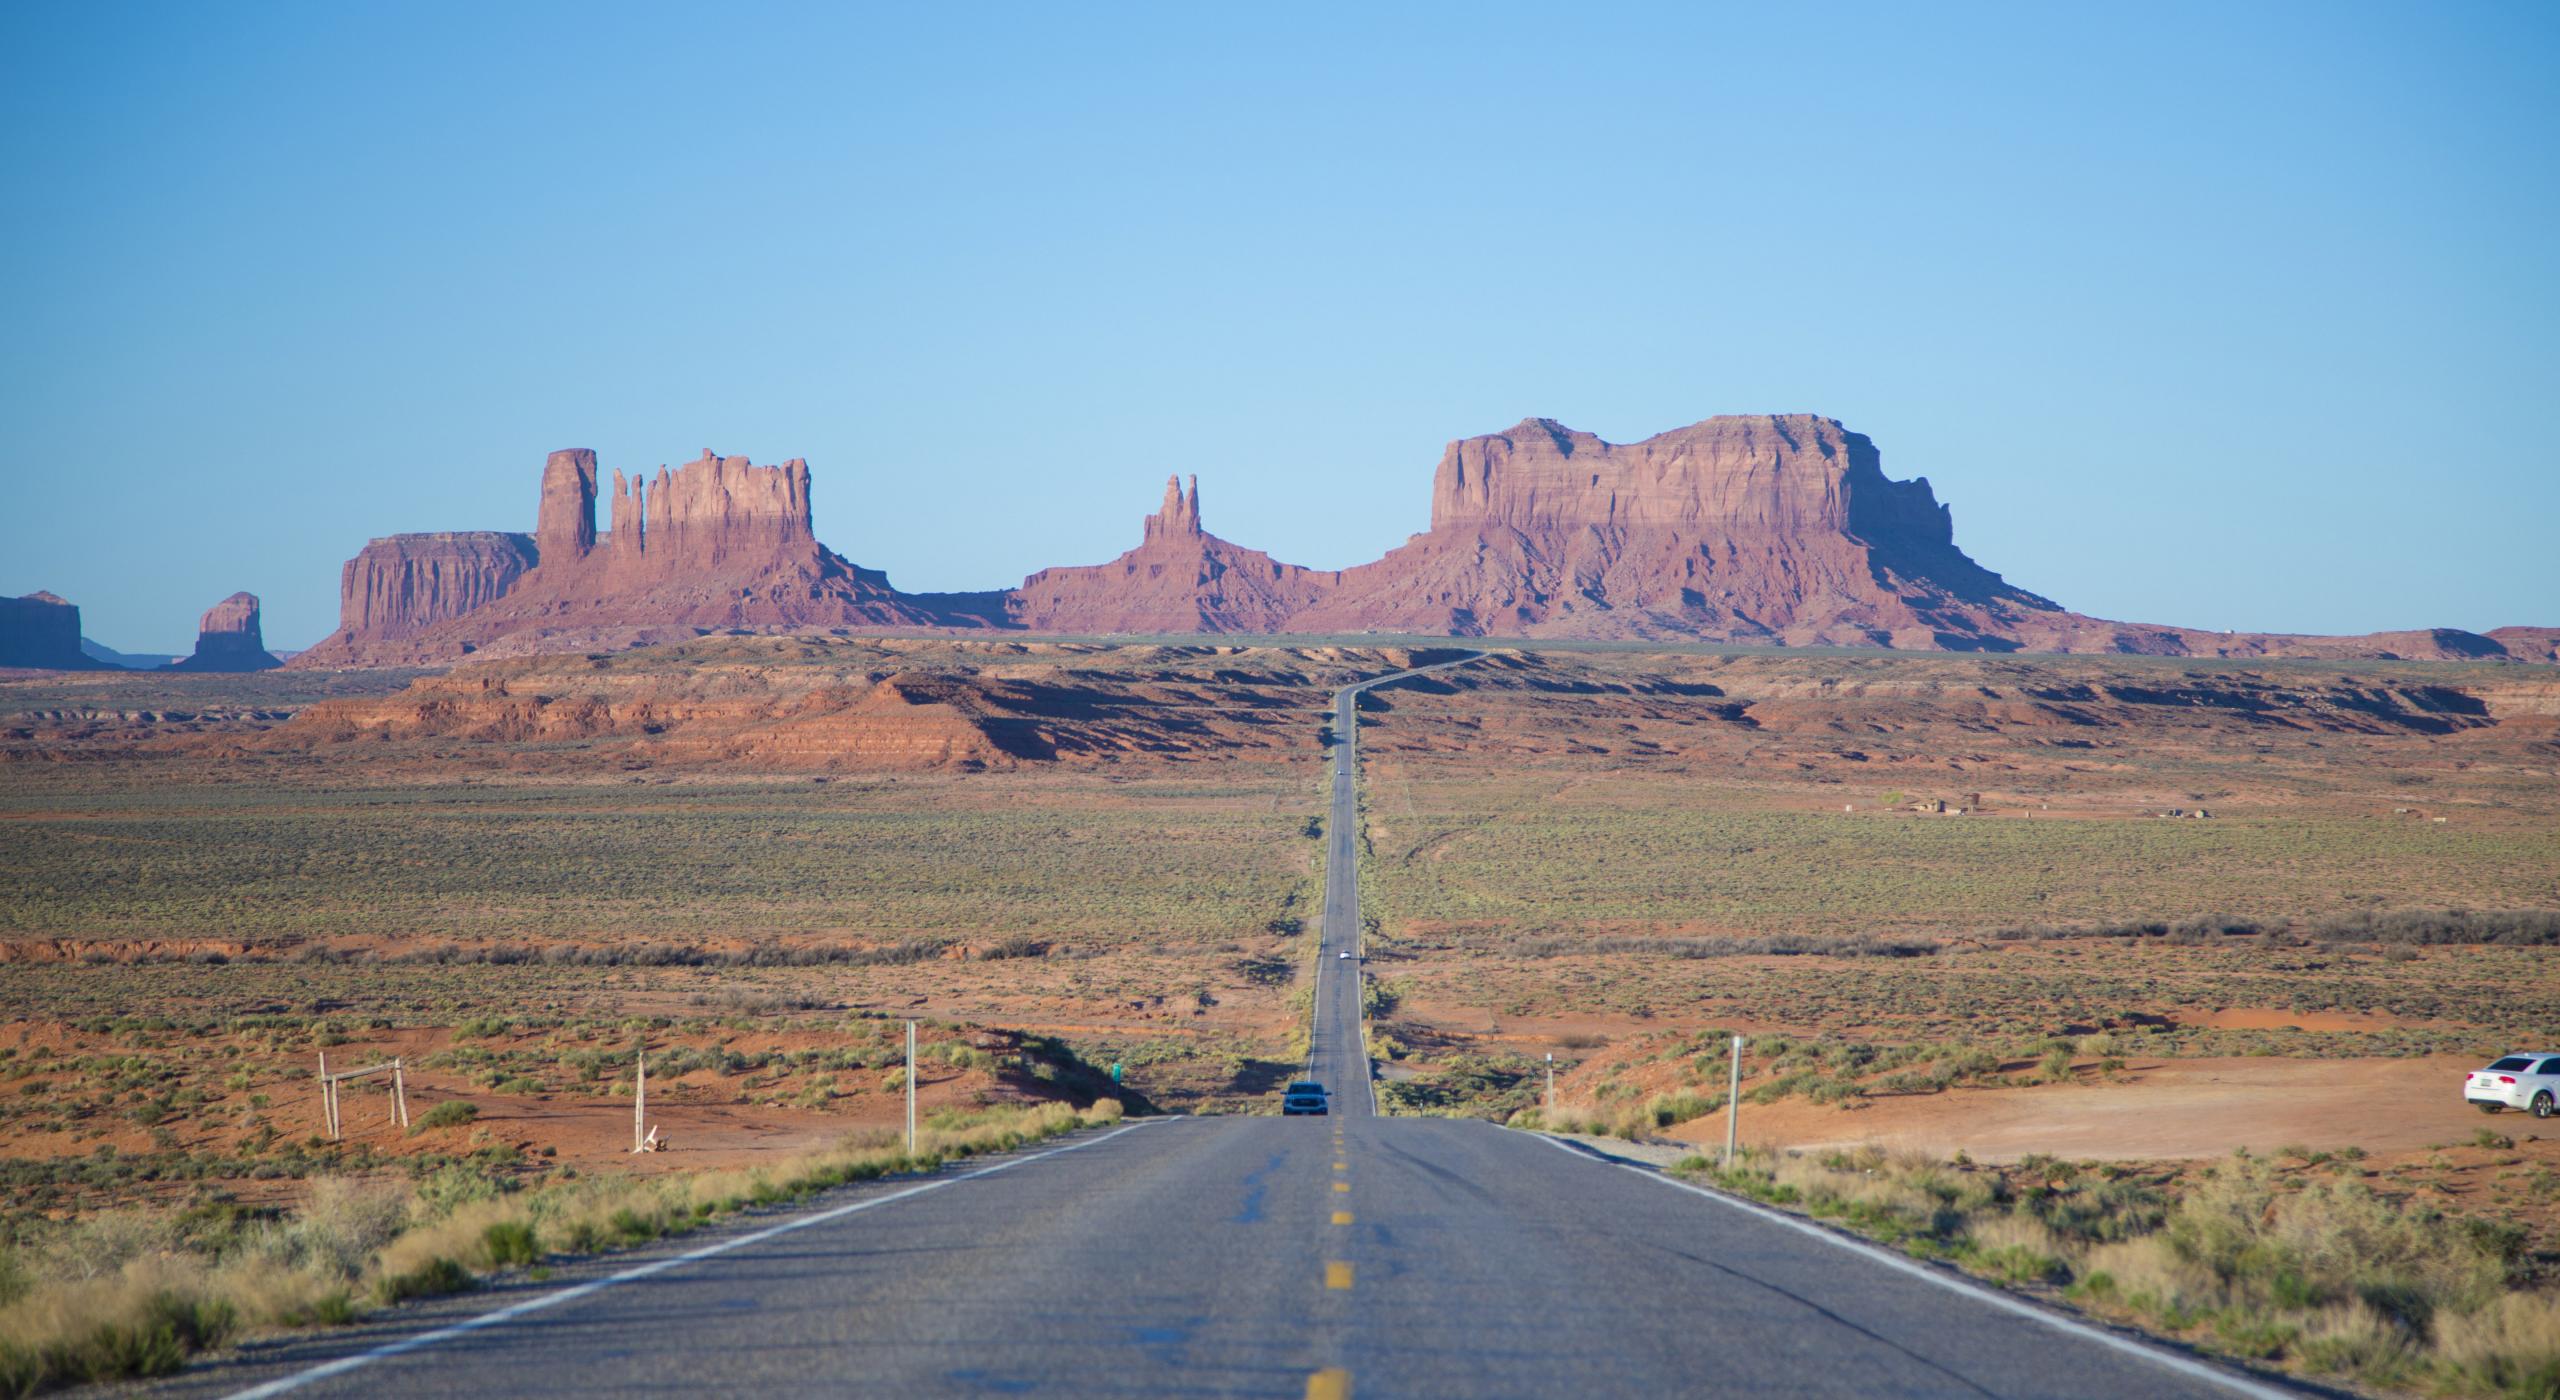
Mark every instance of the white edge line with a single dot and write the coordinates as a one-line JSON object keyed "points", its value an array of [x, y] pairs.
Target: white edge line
{"points": [[2184, 1365], [512, 1311]]}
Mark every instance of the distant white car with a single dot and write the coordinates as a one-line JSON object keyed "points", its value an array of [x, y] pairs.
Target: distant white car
{"points": [[2529, 1082], [1345, 955]]}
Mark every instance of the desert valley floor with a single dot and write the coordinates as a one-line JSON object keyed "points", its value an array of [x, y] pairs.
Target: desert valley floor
{"points": [[2119, 910]]}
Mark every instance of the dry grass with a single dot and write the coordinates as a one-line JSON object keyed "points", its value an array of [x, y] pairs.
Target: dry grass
{"points": [[130, 1294], [2322, 1276]]}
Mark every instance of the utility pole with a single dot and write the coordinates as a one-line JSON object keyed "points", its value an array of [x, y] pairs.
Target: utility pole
{"points": [[1733, 1104], [911, 1088], [640, 1106], [1551, 1084]]}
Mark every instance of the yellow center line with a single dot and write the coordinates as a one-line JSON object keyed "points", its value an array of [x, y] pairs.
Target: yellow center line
{"points": [[1337, 1274], [1342, 1166], [1342, 1217], [1342, 1186], [1331, 1383]]}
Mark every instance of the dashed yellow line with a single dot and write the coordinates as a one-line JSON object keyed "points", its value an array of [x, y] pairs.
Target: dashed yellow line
{"points": [[1331, 1383], [1337, 1274], [1342, 1166], [1342, 1217], [1342, 1186]]}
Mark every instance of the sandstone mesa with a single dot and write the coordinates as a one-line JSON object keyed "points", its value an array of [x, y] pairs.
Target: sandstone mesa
{"points": [[42, 630], [1761, 529]]}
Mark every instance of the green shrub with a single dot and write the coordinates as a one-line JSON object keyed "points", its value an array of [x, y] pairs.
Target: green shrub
{"points": [[510, 1242], [452, 1113]]}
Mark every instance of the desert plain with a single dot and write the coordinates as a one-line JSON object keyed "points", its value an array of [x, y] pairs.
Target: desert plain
{"points": [[2132, 913]]}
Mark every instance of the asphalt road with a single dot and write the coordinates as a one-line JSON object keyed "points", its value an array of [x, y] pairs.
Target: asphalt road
{"points": [[1264, 1257], [1337, 1048], [1240, 1256]]}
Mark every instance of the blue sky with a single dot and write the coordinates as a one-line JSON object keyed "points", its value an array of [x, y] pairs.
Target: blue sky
{"points": [[2226, 316]]}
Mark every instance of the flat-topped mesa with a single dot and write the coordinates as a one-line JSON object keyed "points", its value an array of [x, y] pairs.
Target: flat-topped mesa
{"points": [[42, 629], [1774, 527], [1756, 474], [1180, 518], [229, 639], [400, 585]]}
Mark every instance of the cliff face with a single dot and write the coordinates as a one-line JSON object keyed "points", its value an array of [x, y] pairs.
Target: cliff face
{"points": [[400, 586], [1754, 529], [1179, 580], [1759, 529], [42, 630], [230, 639], [718, 542], [564, 524]]}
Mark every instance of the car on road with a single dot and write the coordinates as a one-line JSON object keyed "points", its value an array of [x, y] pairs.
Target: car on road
{"points": [[1345, 955], [1303, 1097], [2529, 1082]]}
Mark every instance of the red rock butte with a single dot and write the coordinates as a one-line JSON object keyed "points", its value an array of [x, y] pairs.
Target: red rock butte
{"points": [[42, 630], [1768, 529], [229, 639], [1179, 580]]}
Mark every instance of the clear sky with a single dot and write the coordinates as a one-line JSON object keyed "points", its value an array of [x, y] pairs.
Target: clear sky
{"points": [[2221, 315]]}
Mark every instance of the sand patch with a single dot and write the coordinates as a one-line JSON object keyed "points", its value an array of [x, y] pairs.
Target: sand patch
{"points": [[2158, 1109]]}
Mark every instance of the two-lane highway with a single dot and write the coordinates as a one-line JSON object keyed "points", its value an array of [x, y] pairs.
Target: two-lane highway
{"points": [[1269, 1257], [1337, 1045], [1252, 1256]]}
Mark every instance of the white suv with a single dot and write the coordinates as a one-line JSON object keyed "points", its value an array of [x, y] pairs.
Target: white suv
{"points": [[2519, 1081]]}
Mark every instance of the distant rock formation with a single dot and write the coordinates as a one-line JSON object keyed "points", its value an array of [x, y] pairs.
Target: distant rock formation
{"points": [[96, 650], [400, 586], [716, 543], [564, 527], [42, 630], [1769, 529], [2528, 643], [1773, 530], [228, 639], [1179, 580]]}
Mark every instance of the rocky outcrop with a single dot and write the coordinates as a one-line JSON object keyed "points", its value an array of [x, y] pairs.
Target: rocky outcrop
{"points": [[711, 515], [827, 704], [229, 639], [42, 630], [1179, 518], [2527, 643], [1180, 580], [1754, 529], [716, 543], [400, 586], [564, 525], [1769, 529]]}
